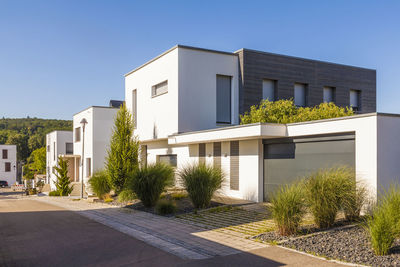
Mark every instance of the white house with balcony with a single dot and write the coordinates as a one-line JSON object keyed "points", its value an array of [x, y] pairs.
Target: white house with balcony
{"points": [[186, 108], [8, 164], [58, 143]]}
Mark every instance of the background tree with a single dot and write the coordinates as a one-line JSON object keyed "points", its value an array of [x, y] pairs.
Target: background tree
{"points": [[21, 141], [62, 183], [122, 156], [37, 160], [284, 111]]}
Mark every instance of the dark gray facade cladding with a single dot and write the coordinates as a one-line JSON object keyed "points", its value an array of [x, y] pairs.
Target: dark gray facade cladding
{"points": [[286, 71]]}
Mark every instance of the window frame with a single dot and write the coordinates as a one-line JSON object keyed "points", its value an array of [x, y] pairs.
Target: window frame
{"points": [[333, 89], [358, 95], [305, 94], [7, 166], [168, 155], [77, 130], [275, 83], [4, 154], [154, 88], [230, 99], [66, 148]]}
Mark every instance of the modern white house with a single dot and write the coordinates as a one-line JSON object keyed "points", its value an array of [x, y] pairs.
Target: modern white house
{"points": [[94, 140], [186, 104], [58, 143], [8, 164]]}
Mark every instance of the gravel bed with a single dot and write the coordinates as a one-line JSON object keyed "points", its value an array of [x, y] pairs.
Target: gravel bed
{"points": [[349, 244]]}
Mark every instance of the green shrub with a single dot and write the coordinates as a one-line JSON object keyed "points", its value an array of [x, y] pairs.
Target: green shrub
{"points": [[165, 207], [178, 196], [325, 191], [288, 208], [285, 111], [99, 183], [354, 200], [63, 183], [54, 194], [126, 195], [384, 224], [149, 182], [201, 181], [108, 198]]}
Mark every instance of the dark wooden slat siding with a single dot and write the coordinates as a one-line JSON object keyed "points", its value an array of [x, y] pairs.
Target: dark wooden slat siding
{"points": [[143, 155], [234, 165], [256, 66], [217, 154], [202, 153]]}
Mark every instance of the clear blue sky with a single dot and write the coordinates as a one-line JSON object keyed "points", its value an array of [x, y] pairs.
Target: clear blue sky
{"points": [[59, 57]]}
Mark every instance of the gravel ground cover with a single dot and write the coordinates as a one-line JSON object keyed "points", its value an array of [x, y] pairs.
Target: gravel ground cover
{"points": [[349, 244]]}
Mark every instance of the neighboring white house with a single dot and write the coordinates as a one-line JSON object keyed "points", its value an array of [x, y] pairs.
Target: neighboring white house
{"points": [[58, 143], [98, 131], [8, 163]]}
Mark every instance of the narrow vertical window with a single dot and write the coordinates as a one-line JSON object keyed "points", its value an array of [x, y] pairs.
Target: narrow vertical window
{"points": [[217, 154], [269, 89], [202, 153], [234, 165], [329, 94], [5, 154], [88, 167], [78, 134], [7, 167], [134, 108], [355, 100], [300, 94], [54, 150], [224, 99]]}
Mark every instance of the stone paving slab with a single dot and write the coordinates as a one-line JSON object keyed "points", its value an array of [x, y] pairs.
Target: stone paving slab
{"points": [[186, 240]]}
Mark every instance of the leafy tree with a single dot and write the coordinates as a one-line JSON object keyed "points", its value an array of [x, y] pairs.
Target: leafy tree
{"points": [[36, 141], [21, 140], [3, 137], [62, 182], [122, 156], [37, 160], [284, 111]]}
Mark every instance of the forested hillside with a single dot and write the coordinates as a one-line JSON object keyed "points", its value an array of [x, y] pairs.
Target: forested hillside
{"points": [[29, 134]]}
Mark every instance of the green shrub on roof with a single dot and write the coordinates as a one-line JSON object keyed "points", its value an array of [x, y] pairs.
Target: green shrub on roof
{"points": [[285, 111]]}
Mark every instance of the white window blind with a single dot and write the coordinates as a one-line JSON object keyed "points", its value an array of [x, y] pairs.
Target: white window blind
{"points": [[159, 89], [354, 99]]}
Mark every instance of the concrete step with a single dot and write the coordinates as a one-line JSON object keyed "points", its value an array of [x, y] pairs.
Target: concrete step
{"points": [[76, 192]]}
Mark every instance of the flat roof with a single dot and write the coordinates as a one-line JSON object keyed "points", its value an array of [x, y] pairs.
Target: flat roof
{"points": [[95, 107], [180, 46]]}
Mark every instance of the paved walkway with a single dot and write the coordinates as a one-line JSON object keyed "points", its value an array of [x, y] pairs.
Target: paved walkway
{"points": [[188, 241]]}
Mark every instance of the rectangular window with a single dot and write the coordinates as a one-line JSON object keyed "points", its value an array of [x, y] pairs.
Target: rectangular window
{"points": [[54, 150], [7, 166], [69, 148], [143, 155], [355, 99], [88, 167], [224, 99], [134, 108], [202, 153], [217, 154], [234, 166], [269, 89], [159, 89], [168, 159], [48, 148], [300, 94], [5, 154], [78, 134], [329, 94]]}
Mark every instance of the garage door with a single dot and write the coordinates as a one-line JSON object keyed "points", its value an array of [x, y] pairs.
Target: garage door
{"points": [[287, 160]]}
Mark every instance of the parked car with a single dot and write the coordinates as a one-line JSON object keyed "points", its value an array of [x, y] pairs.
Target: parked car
{"points": [[3, 183]]}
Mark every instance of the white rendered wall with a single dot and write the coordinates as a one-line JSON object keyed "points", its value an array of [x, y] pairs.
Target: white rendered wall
{"points": [[157, 117], [388, 151], [365, 129], [60, 138], [10, 176], [88, 115], [197, 88]]}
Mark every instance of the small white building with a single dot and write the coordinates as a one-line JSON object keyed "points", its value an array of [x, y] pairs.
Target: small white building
{"points": [[58, 143], [98, 131], [8, 164]]}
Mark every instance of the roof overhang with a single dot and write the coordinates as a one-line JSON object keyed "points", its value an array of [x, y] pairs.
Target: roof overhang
{"points": [[240, 132]]}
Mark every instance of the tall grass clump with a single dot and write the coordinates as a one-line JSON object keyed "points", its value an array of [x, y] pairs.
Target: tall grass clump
{"points": [[384, 224], [325, 191], [288, 208], [126, 195], [99, 183], [201, 181], [148, 182], [354, 200]]}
